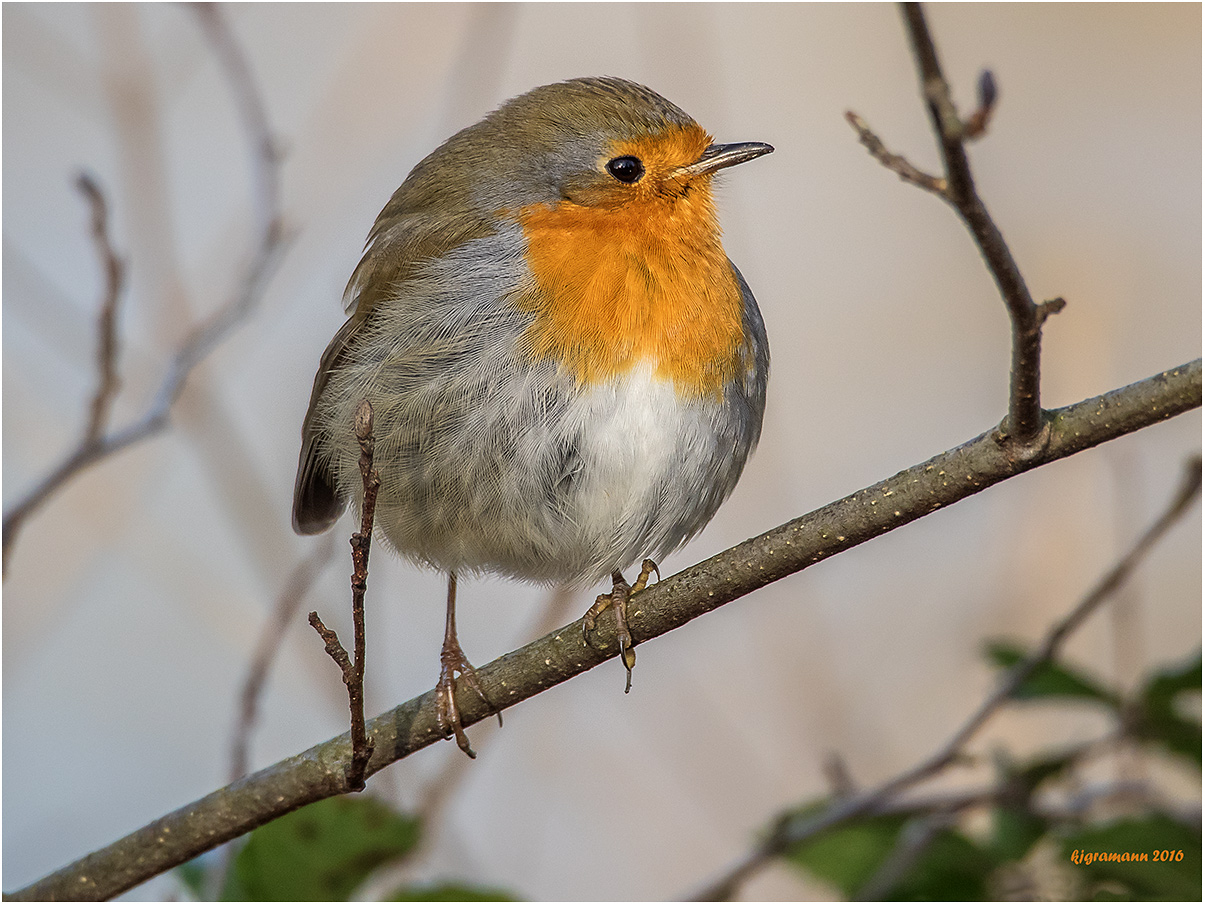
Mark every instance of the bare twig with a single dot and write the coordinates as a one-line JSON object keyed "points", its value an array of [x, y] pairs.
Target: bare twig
{"points": [[1024, 422], [793, 829], [361, 544], [894, 162], [108, 382], [1022, 427], [353, 668], [977, 123], [1189, 490], [206, 335], [265, 158], [318, 773]]}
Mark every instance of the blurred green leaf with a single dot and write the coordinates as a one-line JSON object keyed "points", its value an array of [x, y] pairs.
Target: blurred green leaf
{"points": [[1153, 879], [1158, 719], [321, 852], [1014, 832], [1050, 680], [848, 854], [450, 892], [952, 868], [192, 875]]}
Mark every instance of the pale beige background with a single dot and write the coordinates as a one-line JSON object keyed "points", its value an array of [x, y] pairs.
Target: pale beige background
{"points": [[134, 600]]}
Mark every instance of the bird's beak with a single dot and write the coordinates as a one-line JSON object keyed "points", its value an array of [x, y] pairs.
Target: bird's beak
{"points": [[716, 157]]}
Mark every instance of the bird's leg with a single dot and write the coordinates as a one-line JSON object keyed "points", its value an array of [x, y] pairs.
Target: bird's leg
{"points": [[452, 661], [617, 600]]}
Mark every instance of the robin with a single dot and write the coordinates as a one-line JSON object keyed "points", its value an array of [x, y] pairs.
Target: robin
{"points": [[567, 373]]}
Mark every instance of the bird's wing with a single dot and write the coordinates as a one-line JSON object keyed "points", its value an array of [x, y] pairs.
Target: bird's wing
{"points": [[401, 240]]}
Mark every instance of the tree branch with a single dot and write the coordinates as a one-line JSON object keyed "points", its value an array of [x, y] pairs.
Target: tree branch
{"points": [[1023, 426], [918, 491], [794, 829], [204, 336]]}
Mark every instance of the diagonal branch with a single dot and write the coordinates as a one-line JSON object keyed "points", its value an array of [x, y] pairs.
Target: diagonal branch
{"points": [[270, 242], [914, 493]]}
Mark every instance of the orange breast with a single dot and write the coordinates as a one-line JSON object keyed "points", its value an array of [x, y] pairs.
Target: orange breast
{"points": [[646, 282]]}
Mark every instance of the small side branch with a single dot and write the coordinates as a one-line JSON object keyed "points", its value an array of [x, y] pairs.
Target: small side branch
{"points": [[98, 440], [91, 443], [353, 668], [897, 163], [1023, 425], [108, 382]]}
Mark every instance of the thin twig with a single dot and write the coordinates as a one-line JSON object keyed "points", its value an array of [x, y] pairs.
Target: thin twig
{"points": [[252, 111], [894, 162], [1023, 424], [334, 647], [1189, 490], [1022, 427], [361, 545], [207, 334], [353, 667], [913, 493], [977, 123], [108, 382], [793, 829]]}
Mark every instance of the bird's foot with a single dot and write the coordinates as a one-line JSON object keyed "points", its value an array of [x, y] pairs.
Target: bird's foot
{"points": [[617, 600], [447, 712]]}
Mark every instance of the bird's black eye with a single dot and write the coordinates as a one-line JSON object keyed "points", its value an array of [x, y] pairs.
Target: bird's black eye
{"points": [[626, 169]]}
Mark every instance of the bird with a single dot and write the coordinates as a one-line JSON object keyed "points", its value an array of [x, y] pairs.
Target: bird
{"points": [[567, 374]]}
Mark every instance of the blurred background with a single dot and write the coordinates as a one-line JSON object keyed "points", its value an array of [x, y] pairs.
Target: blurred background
{"points": [[134, 600]]}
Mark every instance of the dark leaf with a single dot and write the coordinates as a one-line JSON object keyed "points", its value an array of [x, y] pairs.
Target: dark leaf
{"points": [[323, 851], [1050, 680], [1160, 721], [847, 855], [952, 868], [1014, 832], [1031, 774]]}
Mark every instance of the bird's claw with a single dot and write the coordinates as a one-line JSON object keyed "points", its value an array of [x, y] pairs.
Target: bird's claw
{"points": [[447, 711], [647, 568], [617, 600]]}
